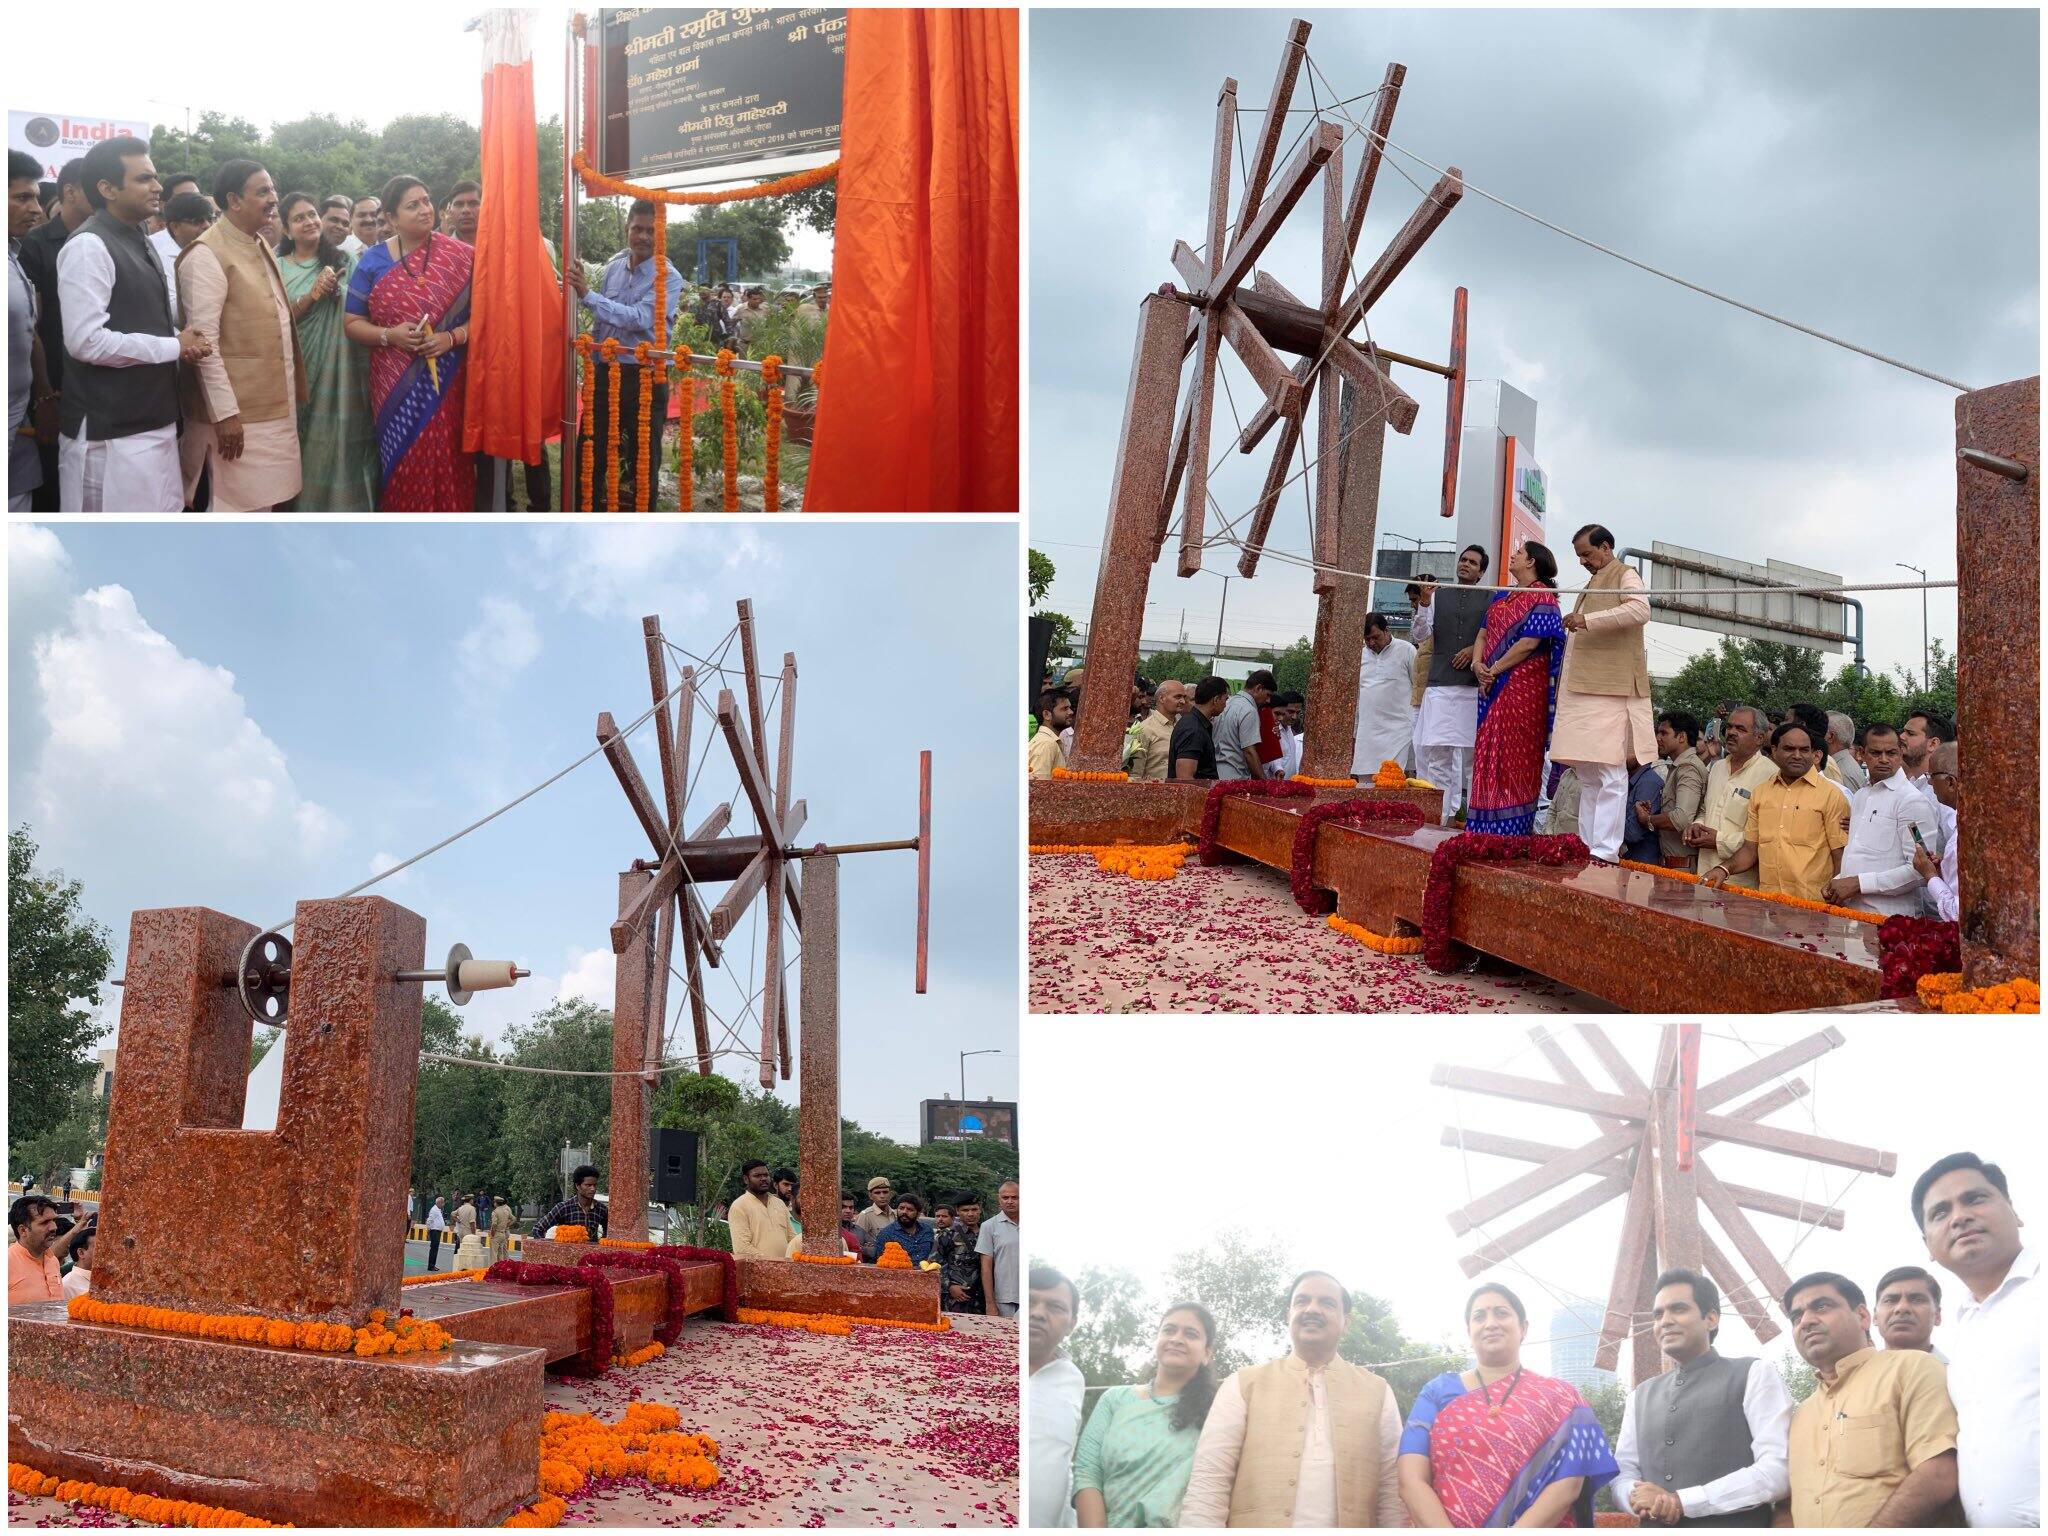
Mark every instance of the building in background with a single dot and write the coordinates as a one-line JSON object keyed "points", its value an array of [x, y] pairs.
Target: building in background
{"points": [[1574, 1336]]}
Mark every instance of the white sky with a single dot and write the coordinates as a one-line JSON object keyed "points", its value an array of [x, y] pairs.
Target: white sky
{"points": [[1871, 173], [1324, 1138], [255, 61]]}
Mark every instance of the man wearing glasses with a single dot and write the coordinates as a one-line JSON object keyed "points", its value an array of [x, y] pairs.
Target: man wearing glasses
{"points": [[1944, 764]]}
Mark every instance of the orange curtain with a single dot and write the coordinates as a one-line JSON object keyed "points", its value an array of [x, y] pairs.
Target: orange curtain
{"points": [[514, 368], [918, 404]]}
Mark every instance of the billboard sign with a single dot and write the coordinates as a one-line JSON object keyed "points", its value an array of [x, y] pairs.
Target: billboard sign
{"points": [[698, 96], [980, 1120], [56, 137], [1808, 620], [1523, 506]]}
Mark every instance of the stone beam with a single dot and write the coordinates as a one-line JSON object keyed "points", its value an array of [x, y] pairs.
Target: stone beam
{"points": [[1275, 123], [753, 774], [620, 755], [1401, 250], [1269, 494], [1253, 239], [1817, 1149], [1330, 725], [1637, 1237], [1756, 1073], [1503, 1085], [1563, 1214], [664, 727], [817, 1105], [632, 995]]}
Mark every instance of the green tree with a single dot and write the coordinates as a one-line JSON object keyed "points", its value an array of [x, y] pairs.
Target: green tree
{"points": [[1244, 1283], [1037, 582], [1800, 1380], [757, 226], [56, 959], [1112, 1341], [439, 148], [260, 1042], [816, 206], [547, 149], [544, 1113], [1607, 1402], [1290, 667], [1374, 1338], [600, 232], [53, 1152], [1179, 664], [1760, 672], [459, 1136]]}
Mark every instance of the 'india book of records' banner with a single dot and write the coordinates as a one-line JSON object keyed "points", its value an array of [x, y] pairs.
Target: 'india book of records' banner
{"points": [[728, 90]]}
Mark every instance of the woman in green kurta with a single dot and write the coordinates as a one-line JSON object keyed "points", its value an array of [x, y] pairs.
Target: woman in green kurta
{"points": [[337, 448], [1132, 1464]]}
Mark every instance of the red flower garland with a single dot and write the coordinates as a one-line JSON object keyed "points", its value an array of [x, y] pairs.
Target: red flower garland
{"points": [[1212, 808], [595, 1360], [1911, 947], [669, 1261], [1465, 848], [1349, 813]]}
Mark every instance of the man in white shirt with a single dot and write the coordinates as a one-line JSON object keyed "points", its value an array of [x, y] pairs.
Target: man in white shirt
{"points": [[1967, 1220], [1944, 779], [1058, 1393], [1721, 1422], [334, 224], [1386, 720], [437, 1223], [1842, 749], [1919, 735], [1270, 1455], [1878, 873], [1237, 728]]}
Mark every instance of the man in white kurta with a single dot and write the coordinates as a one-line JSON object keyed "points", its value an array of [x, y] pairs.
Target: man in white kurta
{"points": [[1447, 720], [1603, 697], [1386, 720]]}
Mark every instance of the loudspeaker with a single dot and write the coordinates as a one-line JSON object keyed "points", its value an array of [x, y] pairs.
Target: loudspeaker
{"points": [[672, 1156]]}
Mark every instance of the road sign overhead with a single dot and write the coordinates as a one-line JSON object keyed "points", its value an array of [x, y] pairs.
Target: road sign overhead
{"points": [[1769, 612]]}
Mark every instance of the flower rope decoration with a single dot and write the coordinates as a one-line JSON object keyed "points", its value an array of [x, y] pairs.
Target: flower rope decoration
{"points": [[586, 489], [728, 1269], [1909, 948], [666, 1262], [1314, 783], [622, 1242], [1086, 776], [141, 1507], [771, 454], [609, 350], [1140, 861], [1382, 943], [1943, 992], [1212, 807], [641, 1355], [590, 1277], [610, 186], [729, 420], [643, 446], [409, 1337], [824, 1258], [1350, 813], [1471, 847], [1801, 902], [443, 1279], [835, 1323], [686, 441]]}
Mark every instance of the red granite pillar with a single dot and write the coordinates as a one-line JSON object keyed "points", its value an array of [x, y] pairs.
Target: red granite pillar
{"points": [[328, 1183], [627, 1185], [817, 1105], [1330, 718], [1998, 684], [1130, 539]]}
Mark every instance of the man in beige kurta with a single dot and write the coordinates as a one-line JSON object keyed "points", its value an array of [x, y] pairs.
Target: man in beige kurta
{"points": [[241, 400], [1603, 698]]}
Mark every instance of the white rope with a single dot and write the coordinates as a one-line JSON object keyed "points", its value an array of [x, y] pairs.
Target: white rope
{"points": [[1644, 266]]}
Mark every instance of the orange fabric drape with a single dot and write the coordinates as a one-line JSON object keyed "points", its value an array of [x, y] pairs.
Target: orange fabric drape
{"points": [[917, 409], [514, 369]]}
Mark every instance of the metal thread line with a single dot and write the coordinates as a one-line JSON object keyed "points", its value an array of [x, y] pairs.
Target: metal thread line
{"points": [[1699, 288]]}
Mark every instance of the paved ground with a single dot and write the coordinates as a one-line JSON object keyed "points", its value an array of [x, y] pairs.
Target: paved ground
{"points": [[888, 1427], [1231, 940]]}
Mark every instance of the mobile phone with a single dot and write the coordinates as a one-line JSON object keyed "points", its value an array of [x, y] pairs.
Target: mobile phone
{"points": [[1917, 843]]}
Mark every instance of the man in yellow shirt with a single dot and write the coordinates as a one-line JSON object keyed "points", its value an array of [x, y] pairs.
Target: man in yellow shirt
{"points": [[1716, 835], [1876, 1442], [1798, 824], [760, 1221], [1155, 731], [1055, 714]]}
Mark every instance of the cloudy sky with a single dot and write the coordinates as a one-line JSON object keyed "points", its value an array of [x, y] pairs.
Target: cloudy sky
{"points": [[1326, 1142], [1871, 173], [242, 716], [339, 65]]}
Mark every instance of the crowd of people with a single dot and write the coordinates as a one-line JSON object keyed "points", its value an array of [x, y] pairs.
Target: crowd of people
{"points": [[243, 348], [1893, 1432], [1530, 719]]}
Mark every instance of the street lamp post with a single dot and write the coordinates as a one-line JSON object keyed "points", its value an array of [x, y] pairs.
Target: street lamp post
{"points": [[963, 1068], [1926, 673]]}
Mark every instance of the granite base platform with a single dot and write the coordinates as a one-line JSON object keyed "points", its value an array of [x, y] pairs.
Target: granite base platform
{"points": [[1149, 811], [1635, 940], [848, 1290], [286, 1435], [553, 1319]]}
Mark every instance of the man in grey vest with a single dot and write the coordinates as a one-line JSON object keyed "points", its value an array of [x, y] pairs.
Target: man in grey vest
{"points": [[117, 446], [1447, 722], [1703, 1444]]}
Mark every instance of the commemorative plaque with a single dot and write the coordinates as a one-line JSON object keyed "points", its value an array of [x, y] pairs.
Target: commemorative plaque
{"points": [[718, 95]]}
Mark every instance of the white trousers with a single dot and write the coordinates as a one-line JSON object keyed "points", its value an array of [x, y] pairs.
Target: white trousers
{"points": [[1603, 805], [121, 474], [1446, 768]]}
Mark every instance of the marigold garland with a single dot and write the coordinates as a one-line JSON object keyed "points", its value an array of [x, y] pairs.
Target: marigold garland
{"points": [[1090, 777], [142, 1507], [544, 1513], [608, 349], [575, 1447], [1140, 861], [1469, 847], [1391, 775], [893, 1256], [834, 1323], [729, 421], [1212, 807], [686, 441], [1780, 898], [1314, 783], [587, 490], [442, 1278], [641, 1355], [572, 1234], [410, 1337], [1944, 992], [1382, 943], [621, 1242], [643, 446], [610, 186], [1351, 813], [771, 460], [824, 1258]]}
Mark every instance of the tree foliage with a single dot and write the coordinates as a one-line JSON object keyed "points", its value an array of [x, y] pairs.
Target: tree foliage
{"points": [[543, 1113], [56, 959], [52, 1153], [1178, 664], [322, 154], [1290, 667], [1037, 582], [1772, 676]]}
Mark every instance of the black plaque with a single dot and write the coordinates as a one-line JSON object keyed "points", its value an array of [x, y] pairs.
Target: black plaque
{"points": [[696, 90]]}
